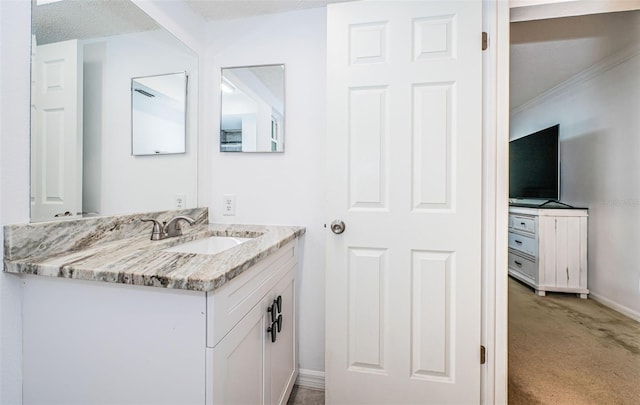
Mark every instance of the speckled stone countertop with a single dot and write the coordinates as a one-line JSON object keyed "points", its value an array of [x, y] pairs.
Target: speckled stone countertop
{"points": [[94, 253]]}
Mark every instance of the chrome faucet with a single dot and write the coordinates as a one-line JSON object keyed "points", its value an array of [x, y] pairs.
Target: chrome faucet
{"points": [[168, 229]]}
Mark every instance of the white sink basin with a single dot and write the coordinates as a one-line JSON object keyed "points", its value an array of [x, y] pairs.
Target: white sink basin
{"points": [[208, 246]]}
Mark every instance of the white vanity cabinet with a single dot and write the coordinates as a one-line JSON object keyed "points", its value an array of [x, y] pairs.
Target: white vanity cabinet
{"points": [[88, 342], [249, 368], [548, 249]]}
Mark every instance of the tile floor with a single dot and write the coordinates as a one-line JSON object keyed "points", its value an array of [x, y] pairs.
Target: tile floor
{"points": [[305, 396]]}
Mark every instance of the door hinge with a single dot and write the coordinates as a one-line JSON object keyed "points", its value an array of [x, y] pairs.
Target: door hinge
{"points": [[483, 354], [485, 41]]}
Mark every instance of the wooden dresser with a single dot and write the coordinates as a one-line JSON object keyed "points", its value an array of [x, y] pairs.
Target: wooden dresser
{"points": [[548, 249]]}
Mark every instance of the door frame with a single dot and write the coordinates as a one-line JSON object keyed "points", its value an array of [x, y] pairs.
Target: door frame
{"points": [[497, 16], [495, 207]]}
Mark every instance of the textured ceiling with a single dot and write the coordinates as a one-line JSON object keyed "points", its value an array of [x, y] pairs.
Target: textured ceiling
{"points": [[82, 19], [545, 53], [229, 9]]}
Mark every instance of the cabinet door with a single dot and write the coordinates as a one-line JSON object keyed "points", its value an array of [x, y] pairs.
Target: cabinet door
{"points": [[238, 368], [282, 352]]}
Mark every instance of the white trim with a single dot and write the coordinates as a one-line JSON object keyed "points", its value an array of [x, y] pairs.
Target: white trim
{"points": [[527, 10], [501, 201], [310, 379], [494, 211], [615, 306], [592, 71]]}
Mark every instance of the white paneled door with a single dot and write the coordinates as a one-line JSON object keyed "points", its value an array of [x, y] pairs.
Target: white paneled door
{"points": [[56, 135], [404, 131]]}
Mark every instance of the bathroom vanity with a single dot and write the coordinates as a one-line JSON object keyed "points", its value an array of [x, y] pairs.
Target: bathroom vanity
{"points": [[127, 320]]}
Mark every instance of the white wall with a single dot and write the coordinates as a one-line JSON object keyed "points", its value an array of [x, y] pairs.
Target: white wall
{"points": [[289, 187], [599, 119], [15, 45], [141, 183]]}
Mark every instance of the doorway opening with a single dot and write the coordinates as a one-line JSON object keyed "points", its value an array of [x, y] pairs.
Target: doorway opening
{"points": [[581, 72]]}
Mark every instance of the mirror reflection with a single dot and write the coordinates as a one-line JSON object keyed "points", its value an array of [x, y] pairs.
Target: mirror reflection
{"points": [[158, 114], [252, 109], [84, 55]]}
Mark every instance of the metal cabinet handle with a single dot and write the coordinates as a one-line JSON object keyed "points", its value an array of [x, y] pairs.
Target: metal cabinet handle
{"points": [[517, 263], [271, 310], [337, 227], [519, 242], [272, 329], [275, 310]]}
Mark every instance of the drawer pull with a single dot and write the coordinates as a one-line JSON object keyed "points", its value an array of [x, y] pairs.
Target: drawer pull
{"points": [[517, 263], [523, 223], [519, 242]]}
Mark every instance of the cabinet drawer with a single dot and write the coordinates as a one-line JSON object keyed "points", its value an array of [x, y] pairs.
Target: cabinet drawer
{"points": [[526, 244], [525, 224], [522, 266]]}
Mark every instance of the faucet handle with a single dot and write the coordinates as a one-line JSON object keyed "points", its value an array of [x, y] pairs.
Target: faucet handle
{"points": [[172, 228], [158, 230]]}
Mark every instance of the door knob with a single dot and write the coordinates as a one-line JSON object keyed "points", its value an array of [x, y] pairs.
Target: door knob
{"points": [[337, 227]]}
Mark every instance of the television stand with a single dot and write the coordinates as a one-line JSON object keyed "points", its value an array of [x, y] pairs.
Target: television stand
{"points": [[548, 249]]}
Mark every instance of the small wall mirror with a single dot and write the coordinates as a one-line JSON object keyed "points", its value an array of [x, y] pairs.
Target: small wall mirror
{"points": [[158, 114], [252, 109]]}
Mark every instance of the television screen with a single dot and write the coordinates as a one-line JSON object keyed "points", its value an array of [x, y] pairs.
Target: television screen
{"points": [[534, 165]]}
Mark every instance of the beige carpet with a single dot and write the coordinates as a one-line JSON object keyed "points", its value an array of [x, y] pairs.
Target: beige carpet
{"points": [[564, 350]]}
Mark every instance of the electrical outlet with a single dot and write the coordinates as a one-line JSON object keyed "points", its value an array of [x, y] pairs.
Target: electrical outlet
{"points": [[229, 205], [181, 201]]}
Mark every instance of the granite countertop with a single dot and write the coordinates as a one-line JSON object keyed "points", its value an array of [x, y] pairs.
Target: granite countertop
{"points": [[140, 261]]}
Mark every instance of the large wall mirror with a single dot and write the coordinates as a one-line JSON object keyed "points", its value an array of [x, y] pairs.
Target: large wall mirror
{"points": [[84, 57], [252, 109]]}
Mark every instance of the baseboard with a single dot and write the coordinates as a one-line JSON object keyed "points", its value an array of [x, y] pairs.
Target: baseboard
{"points": [[310, 379], [615, 306]]}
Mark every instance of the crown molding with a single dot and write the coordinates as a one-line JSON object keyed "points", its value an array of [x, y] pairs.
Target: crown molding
{"points": [[589, 73]]}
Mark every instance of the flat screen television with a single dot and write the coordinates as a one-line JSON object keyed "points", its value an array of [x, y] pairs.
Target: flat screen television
{"points": [[534, 165]]}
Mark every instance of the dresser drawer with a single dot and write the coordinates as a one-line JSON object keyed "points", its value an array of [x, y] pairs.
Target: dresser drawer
{"points": [[523, 266], [526, 244], [525, 224]]}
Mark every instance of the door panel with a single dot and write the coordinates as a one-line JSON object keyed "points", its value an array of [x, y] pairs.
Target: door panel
{"points": [[238, 368], [56, 138], [404, 169], [368, 326]]}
